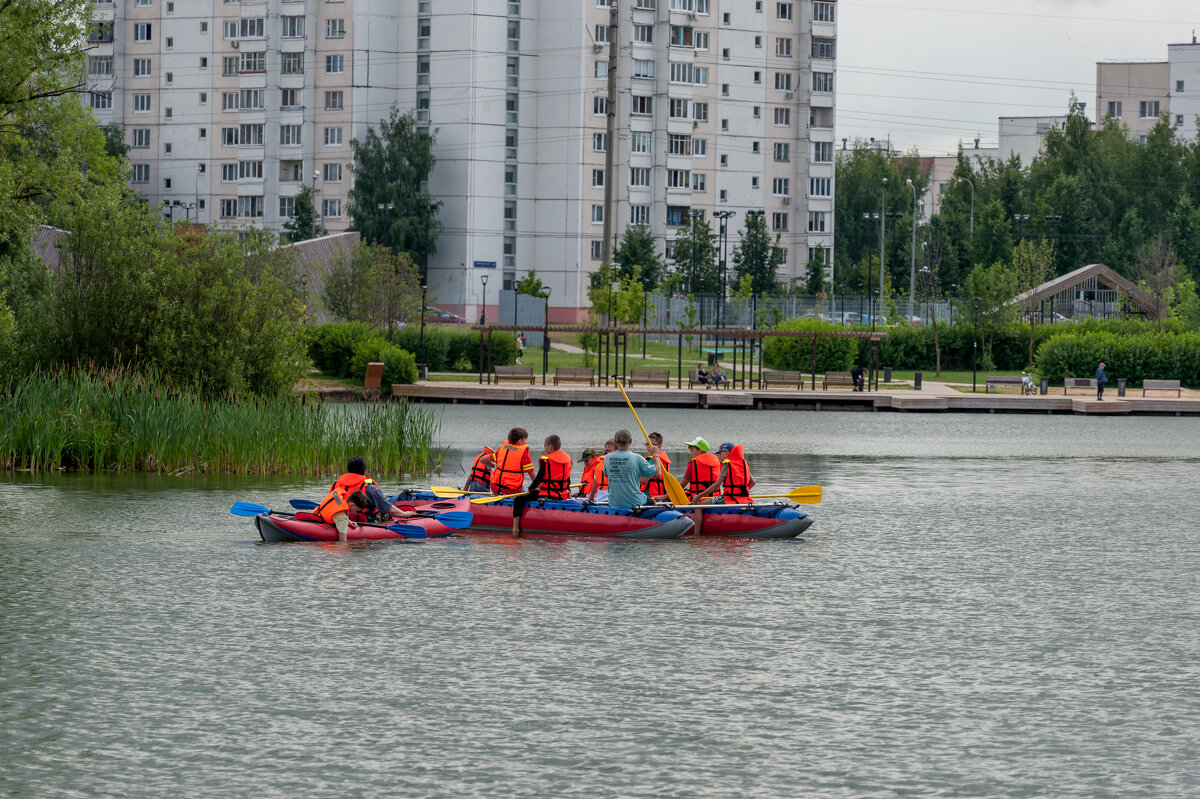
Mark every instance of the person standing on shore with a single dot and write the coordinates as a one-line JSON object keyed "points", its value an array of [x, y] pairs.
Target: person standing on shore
{"points": [[1101, 379]]}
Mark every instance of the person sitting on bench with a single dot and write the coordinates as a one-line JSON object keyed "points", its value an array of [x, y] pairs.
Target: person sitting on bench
{"points": [[856, 374]]}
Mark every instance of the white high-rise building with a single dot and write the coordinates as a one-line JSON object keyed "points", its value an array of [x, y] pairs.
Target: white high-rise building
{"points": [[722, 105]]}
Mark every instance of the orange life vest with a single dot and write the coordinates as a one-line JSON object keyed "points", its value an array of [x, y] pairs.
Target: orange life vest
{"points": [[600, 476], [350, 482], [509, 476], [332, 505], [556, 477], [736, 486], [589, 476], [702, 471], [479, 472], [655, 486]]}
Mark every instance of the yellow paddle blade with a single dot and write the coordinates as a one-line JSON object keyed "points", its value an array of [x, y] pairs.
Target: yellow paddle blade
{"points": [[486, 500], [674, 490], [447, 492], [804, 494]]}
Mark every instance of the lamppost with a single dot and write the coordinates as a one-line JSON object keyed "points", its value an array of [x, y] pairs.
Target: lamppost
{"points": [[613, 286], [882, 236], [722, 246], [421, 337], [860, 299], [316, 174], [546, 335], [975, 305], [1021, 219], [483, 313], [842, 291], [970, 183], [645, 302], [750, 216], [912, 269]]}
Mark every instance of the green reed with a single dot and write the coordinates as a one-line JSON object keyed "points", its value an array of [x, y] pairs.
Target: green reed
{"points": [[122, 420]]}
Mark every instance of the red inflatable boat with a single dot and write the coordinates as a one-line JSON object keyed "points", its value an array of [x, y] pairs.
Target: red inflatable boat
{"points": [[307, 527]]}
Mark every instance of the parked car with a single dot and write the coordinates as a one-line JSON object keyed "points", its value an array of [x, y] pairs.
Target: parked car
{"points": [[438, 315]]}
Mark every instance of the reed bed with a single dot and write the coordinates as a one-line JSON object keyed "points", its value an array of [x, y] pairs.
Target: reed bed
{"points": [[122, 420]]}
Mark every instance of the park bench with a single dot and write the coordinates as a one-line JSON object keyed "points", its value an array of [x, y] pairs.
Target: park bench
{"points": [[372, 381], [694, 379], [1162, 385], [1001, 380], [576, 374], [1078, 382], [782, 379], [521, 373], [650, 376], [837, 379]]}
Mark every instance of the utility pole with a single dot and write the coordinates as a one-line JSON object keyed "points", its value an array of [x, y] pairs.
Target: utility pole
{"points": [[610, 140]]}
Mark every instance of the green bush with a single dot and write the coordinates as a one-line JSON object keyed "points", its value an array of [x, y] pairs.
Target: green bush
{"points": [[399, 366], [908, 347], [795, 354], [432, 350], [1133, 356], [332, 346]]}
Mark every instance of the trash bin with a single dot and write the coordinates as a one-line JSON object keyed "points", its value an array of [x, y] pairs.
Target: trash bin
{"points": [[917, 380], [1120, 386], [422, 371], [1045, 385], [713, 357], [887, 374]]}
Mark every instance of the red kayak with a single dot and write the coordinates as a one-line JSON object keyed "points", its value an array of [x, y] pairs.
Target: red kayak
{"points": [[307, 527]]}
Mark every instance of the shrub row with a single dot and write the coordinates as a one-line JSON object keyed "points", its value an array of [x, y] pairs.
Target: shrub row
{"points": [[1135, 357], [448, 350], [344, 349], [795, 354], [912, 347]]}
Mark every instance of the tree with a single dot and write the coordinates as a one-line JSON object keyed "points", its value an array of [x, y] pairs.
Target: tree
{"points": [[1158, 272], [615, 296], [51, 150], [114, 140], [530, 285], [302, 226], [757, 255], [994, 286], [389, 202], [636, 249], [814, 276], [377, 287], [696, 258], [1032, 265]]}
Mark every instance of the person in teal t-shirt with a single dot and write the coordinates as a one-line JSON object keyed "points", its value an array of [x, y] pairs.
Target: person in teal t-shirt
{"points": [[626, 470]]}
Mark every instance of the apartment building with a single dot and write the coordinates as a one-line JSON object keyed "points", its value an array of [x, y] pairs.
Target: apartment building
{"points": [[721, 105]]}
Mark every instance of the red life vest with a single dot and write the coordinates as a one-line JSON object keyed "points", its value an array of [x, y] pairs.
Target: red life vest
{"points": [[509, 476], [556, 477], [655, 486], [736, 486], [600, 476], [479, 472], [332, 505], [589, 476], [702, 471]]}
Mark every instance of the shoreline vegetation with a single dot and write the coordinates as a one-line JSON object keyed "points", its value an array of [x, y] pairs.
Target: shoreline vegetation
{"points": [[123, 420]]}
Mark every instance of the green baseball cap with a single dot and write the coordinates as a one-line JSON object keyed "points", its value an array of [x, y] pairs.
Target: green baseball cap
{"points": [[699, 443]]}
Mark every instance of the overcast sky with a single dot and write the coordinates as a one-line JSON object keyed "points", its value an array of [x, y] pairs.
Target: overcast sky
{"points": [[932, 73]]}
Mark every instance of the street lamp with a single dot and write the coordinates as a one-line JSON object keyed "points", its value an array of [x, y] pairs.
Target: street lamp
{"points": [[842, 291], [912, 269], [613, 286], [722, 246], [483, 313], [1021, 219], [316, 174], [882, 235], [546, 335], [421, 338], [970, 183], [860, 299], [751, 215], [975, 305]]}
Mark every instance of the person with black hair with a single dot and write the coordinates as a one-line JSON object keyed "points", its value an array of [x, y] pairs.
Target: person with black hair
{"points": [[355, 479]]}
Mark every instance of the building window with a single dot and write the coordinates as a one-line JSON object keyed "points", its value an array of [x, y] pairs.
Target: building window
{"points": [[639, 176], [250, 207], [779, 222], [287, 207], [822, 82], [251, 135], [1179, 87], [679, 179], [292, 27], [141, 67], [783, 47], [820, 187], [699, 148], [824, 12], [140, 139], [783, 117], [824, 47], [203, 137], [643, 34], [334, 100], [783, 10], [335, 29], [783, 81], [641, 106], [679, 144], [229, 137], [333, 137], [782, 151], [643, 68], [1114, 109], [677, 216], [601, 69], [601, 34], [331, 208], [102, 65], [600, 106], [230, 101], [701, 39], [639, 214], [754, 182], [598, 178], [724, 160], [641, 141], [333, 173], [229, 208], [229, 64], [595, 251], [335, 64], [699, 182], [289, 99], [250, 170], [1148, 109], [681, 36], [253, 99], [823, 152], [597, 214], [141, 32], [253, 62], [289, 64], [757, 112], [817, 221], [780, 187], [677, 108], [599, 142], [141, 104], [141, 173], [100, 101], [700, 112]]}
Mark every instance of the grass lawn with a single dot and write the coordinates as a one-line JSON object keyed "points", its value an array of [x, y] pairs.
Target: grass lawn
{"points": [[953, 376]]}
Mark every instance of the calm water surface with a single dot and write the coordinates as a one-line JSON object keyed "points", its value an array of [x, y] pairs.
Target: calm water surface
{"points": [[992, 606]]}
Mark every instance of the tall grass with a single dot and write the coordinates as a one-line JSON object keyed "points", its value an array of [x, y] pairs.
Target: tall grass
{"points": [[120, 420]]}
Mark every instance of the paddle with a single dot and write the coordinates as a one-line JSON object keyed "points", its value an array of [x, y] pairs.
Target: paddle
{"points": [[674, 490], [250, 509], [446, 492], [405, 530], [804, 494], [455, 519]]}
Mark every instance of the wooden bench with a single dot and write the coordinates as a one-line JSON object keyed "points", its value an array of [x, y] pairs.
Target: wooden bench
{"points": [[637, 376], [372, 381], [1078, 382], [521, 373], [1001, 380], [782, 379], [1162, 385], [837, 379], [694, 379], [575, 374]]}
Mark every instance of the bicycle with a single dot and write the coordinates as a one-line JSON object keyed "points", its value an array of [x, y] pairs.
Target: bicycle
{"points": [[1027, 386]]}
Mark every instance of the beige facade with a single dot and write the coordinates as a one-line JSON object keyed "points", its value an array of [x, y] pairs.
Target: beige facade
{"points": [[1134, 93]]}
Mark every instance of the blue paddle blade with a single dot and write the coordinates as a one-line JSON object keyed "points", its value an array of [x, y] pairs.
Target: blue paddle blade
{"points": [[455, 519], [248, 509], [413, 531], [303, 504]]}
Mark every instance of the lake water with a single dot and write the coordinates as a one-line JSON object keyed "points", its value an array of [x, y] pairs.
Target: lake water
{"points": [[992, 606]]}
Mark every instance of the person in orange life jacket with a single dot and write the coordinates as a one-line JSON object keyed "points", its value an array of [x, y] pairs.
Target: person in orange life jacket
{"points": [[700, 475], [355, 479], [591, 462], [512, 463], [336, 508], [552, 481], [480, 477], [599, 490], [655, 487], [735, 480]]}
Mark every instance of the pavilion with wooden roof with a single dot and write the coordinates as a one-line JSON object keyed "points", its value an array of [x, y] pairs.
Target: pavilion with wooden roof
{"points": [[1092, 291]]}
